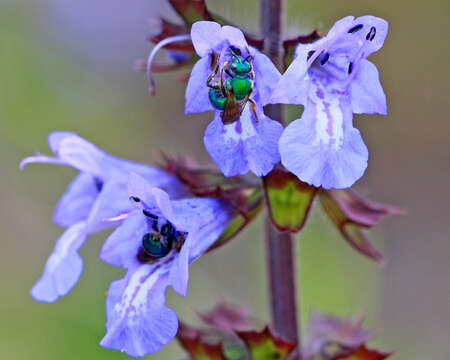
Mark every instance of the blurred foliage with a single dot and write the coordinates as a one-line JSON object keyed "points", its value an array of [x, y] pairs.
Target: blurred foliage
{"points": [[58, 77]]}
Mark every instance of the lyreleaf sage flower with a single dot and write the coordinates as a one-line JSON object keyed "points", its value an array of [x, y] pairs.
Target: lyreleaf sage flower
{"points": [[155, 244], [235, 81], [332, 79], [97, 193]]}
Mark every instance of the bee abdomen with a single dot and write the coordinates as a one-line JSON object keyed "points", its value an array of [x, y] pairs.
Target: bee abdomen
{"points": [[217, 99]]}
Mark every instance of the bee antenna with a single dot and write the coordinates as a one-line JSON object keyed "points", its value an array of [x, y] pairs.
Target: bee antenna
{"points": [[235, 51]]}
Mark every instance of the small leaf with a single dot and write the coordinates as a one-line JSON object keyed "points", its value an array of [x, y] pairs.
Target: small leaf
{"points": [[196, 344], [289, 200], [350, 213], [362, 353], [263, 345]]}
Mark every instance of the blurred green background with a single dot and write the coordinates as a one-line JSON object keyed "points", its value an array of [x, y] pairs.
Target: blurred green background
{"points": [[67, 65]]}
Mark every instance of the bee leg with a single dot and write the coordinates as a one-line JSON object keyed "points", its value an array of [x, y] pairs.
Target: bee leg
{"points": [[253, 108], [248, 54], [212, 76], [228, 70], [222, 85], [214, 86], [252, 72], [180, 243], [214, 60], [252, 104]]}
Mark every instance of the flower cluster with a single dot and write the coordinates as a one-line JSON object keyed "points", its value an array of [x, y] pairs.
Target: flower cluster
{"points": [[98, 192], [327, 338], [154, 243], [165, 218], [330, 77]]}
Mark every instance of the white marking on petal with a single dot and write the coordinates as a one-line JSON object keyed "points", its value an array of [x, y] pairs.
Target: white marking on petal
{"points": [[134, 302], [329, 117], [246, 125], [134, 297]]}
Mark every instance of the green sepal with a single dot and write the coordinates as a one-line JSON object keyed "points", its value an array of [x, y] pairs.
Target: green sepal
{"points": [[289, 200], [263, 345]]}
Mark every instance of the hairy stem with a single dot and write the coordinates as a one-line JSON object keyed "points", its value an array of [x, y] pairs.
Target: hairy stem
{"points": [[280, 247]]}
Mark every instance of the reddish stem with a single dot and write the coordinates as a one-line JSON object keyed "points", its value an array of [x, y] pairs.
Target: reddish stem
{"points": [[280, 247], [280, 252]]}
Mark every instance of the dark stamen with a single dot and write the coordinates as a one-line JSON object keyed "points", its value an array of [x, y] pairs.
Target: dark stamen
{"points": [[135, 199], [355, 28], [146, 213], [350, 68], [324, 58], [371, 34], [98, 183], [374, 33], [310, 54]]}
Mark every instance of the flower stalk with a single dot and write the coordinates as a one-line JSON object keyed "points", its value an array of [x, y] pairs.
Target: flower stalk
{"points": [[280, 247]]}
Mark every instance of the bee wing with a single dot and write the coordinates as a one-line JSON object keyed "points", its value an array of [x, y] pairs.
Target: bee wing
{"points": [[232, 111]]}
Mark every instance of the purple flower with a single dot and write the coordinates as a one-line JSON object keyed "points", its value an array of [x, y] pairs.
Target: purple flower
{"points": [[155, 244], [241, 138], [332, 79], [97, 193]]}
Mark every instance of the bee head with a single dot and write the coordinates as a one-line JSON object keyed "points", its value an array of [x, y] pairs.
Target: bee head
{"points": [[240, 66]]}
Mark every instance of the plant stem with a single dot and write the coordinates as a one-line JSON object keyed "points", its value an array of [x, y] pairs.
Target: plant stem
{"points": [[280, 251], [280, 247]]}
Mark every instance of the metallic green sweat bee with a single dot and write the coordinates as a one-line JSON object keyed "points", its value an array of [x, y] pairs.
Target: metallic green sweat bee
{"points": [[232, 95], [161, 240]]}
